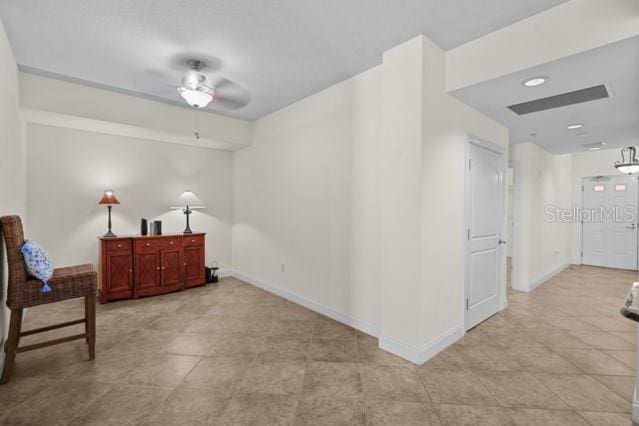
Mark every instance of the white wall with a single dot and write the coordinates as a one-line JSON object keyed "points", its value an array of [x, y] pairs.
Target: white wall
{"points": [[567, 29], [67, 171], [12, 159], [400, 188], [305, 196], [542, 248], [588, 164], [360, 181], [447, 124], [65, 104]]}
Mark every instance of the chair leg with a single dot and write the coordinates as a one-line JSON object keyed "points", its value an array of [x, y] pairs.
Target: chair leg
{"points": [[86, 323], [89, 309], [11, 345]]}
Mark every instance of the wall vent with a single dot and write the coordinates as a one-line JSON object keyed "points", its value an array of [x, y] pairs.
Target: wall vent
{"points": [[564, 99]]}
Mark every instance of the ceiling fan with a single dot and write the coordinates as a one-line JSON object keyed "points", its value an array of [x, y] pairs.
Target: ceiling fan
{"points": [[199, 89]]}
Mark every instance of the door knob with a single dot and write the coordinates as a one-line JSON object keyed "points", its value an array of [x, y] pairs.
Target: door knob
{"points": [[632, 226], [502, 242]]}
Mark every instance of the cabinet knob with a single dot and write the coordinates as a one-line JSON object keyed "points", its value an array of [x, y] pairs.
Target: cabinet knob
{"points": [[184, 263], [192, 241], [157, 267], [119, 245], [148, 244], [171, 242], [130, 269], [163, 268]]}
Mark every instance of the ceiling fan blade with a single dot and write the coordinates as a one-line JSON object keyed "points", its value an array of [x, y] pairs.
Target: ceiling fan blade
{"points": [[228, 95], [159, 84]]}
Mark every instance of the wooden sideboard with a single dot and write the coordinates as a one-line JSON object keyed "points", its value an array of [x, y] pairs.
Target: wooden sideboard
{"points": [[136, 266]]}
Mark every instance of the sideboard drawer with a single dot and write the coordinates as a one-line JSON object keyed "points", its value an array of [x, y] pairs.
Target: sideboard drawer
{"points": [[171, 243], [121, 244], [149, 244], [193, 240]]}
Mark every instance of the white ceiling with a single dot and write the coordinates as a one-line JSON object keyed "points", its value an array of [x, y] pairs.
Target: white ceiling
{"points": [[278, 50], [614, 120]]}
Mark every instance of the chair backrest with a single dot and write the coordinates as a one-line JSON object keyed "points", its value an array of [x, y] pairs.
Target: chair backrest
{"points": [[14, 240]]}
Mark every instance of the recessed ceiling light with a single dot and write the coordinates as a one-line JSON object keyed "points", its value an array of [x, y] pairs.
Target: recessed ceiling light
{"points": [[575, 126], [594, 146], [535, 81]]}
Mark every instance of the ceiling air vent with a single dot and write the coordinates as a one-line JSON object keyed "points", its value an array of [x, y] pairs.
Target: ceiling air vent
{"points": [[570, 98]]}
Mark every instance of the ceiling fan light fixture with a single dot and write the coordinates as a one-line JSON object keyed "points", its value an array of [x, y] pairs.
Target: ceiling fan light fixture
{"points": [[194, 89], [196, 97]]}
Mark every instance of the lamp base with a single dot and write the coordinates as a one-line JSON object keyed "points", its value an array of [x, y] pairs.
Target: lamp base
{"points": [[109, 234], [187, 213]]}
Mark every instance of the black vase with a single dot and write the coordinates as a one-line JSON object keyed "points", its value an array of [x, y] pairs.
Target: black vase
{"points": [[144, 227], [157, 227]]}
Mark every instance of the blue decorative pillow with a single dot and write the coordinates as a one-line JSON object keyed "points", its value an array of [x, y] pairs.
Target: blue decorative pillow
{"points": [[38, 263]]}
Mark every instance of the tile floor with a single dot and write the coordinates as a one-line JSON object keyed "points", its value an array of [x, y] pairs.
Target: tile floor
{"points": [[232, 354]]}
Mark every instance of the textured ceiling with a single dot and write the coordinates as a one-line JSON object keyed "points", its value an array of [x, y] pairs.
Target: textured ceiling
{"points": [[277, 50], [614, 120]]}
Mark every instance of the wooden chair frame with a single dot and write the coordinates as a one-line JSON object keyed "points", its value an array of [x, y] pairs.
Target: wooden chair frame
{"points": [[24, 291]]}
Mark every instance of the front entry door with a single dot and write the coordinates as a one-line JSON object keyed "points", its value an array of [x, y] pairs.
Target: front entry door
{"points": [[485, 209], [610, 222]]}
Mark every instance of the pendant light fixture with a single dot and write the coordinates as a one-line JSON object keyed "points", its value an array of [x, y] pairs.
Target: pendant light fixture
{"points": [[629, 163]]}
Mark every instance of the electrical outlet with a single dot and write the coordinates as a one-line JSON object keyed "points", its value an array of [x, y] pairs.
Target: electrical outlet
{"points": [[283, 267]]}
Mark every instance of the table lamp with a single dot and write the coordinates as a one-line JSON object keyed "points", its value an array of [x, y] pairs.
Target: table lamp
{"points": [[109, 199], [188, 202]]}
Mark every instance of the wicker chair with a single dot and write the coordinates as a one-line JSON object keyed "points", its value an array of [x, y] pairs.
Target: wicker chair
{"points": [[24, 291]]}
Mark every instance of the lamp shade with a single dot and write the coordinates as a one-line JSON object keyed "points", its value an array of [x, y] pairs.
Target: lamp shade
{"points": [[189, 199], [108, 198]]}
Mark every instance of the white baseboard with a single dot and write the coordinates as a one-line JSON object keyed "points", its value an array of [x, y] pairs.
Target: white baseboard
{"points": [[545, 277], [419, 355], [360, 324], [440, 343], [225, 273]]}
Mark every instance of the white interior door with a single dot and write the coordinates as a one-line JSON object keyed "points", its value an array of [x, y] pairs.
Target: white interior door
{"points": [[610, 222], [485, 209]]}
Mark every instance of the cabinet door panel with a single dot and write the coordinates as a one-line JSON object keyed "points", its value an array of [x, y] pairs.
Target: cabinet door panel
{"points": [[193, 263], [170, 267], [119, 271], [147, 270]]}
